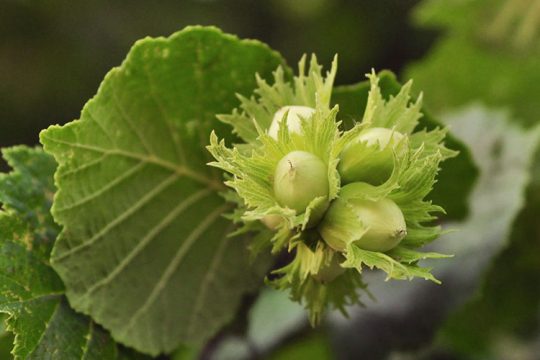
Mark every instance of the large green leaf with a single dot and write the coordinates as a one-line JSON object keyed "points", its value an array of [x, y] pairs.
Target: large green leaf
{"points": [[30, 291], [457, 174], [144, 249]]}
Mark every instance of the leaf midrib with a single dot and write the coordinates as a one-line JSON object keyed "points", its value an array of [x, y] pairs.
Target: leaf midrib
{"points": [[119, 219], [151, 159], [175, 262], [206, 281], [170, 217]]}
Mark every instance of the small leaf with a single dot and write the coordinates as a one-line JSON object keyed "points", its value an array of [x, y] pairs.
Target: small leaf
{"points": [[144, 249], [28, 192], [30, 291]]}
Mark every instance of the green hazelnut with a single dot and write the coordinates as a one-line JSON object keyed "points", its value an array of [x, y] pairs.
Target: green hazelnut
{"points": [[370, 157], [294, 124], [299, 178], [370, 225], [329, 272], [272, 221]]}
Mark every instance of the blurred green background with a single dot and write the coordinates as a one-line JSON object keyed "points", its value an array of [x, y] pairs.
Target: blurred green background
{"points": [[462, 53]]}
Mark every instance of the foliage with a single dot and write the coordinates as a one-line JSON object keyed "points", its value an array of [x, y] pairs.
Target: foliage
{"points": [[47, 46], [315, 347], [144, 238], [31, 292], [252, 167], [148, 242], [408, 317], [489, 51], [452, 195], [135, 193], [508, 286]]}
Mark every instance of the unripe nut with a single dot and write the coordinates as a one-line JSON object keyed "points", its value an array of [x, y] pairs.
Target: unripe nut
{"points": [[272, 221], [329, 272], [294, 124], [381, 136], [386, 224], [299, 178], [357, 164], [382, 222]]}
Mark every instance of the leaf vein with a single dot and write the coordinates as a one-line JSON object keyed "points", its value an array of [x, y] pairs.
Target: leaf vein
{"points": [[94, 120], [179, 149], [127, 120], [208, 278], [202, 131], [88, 339], [173, 265], [119, 219], [171, 216], [34, 298], [83, 166], [179, 169], [47, 323], [110, 185]]}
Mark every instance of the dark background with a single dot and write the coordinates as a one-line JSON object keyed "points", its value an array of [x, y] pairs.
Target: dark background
{"points": [[54, 54]]}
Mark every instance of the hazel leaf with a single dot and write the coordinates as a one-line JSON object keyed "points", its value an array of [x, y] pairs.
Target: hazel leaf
{"points": [[144, 247], [31, 293]]}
